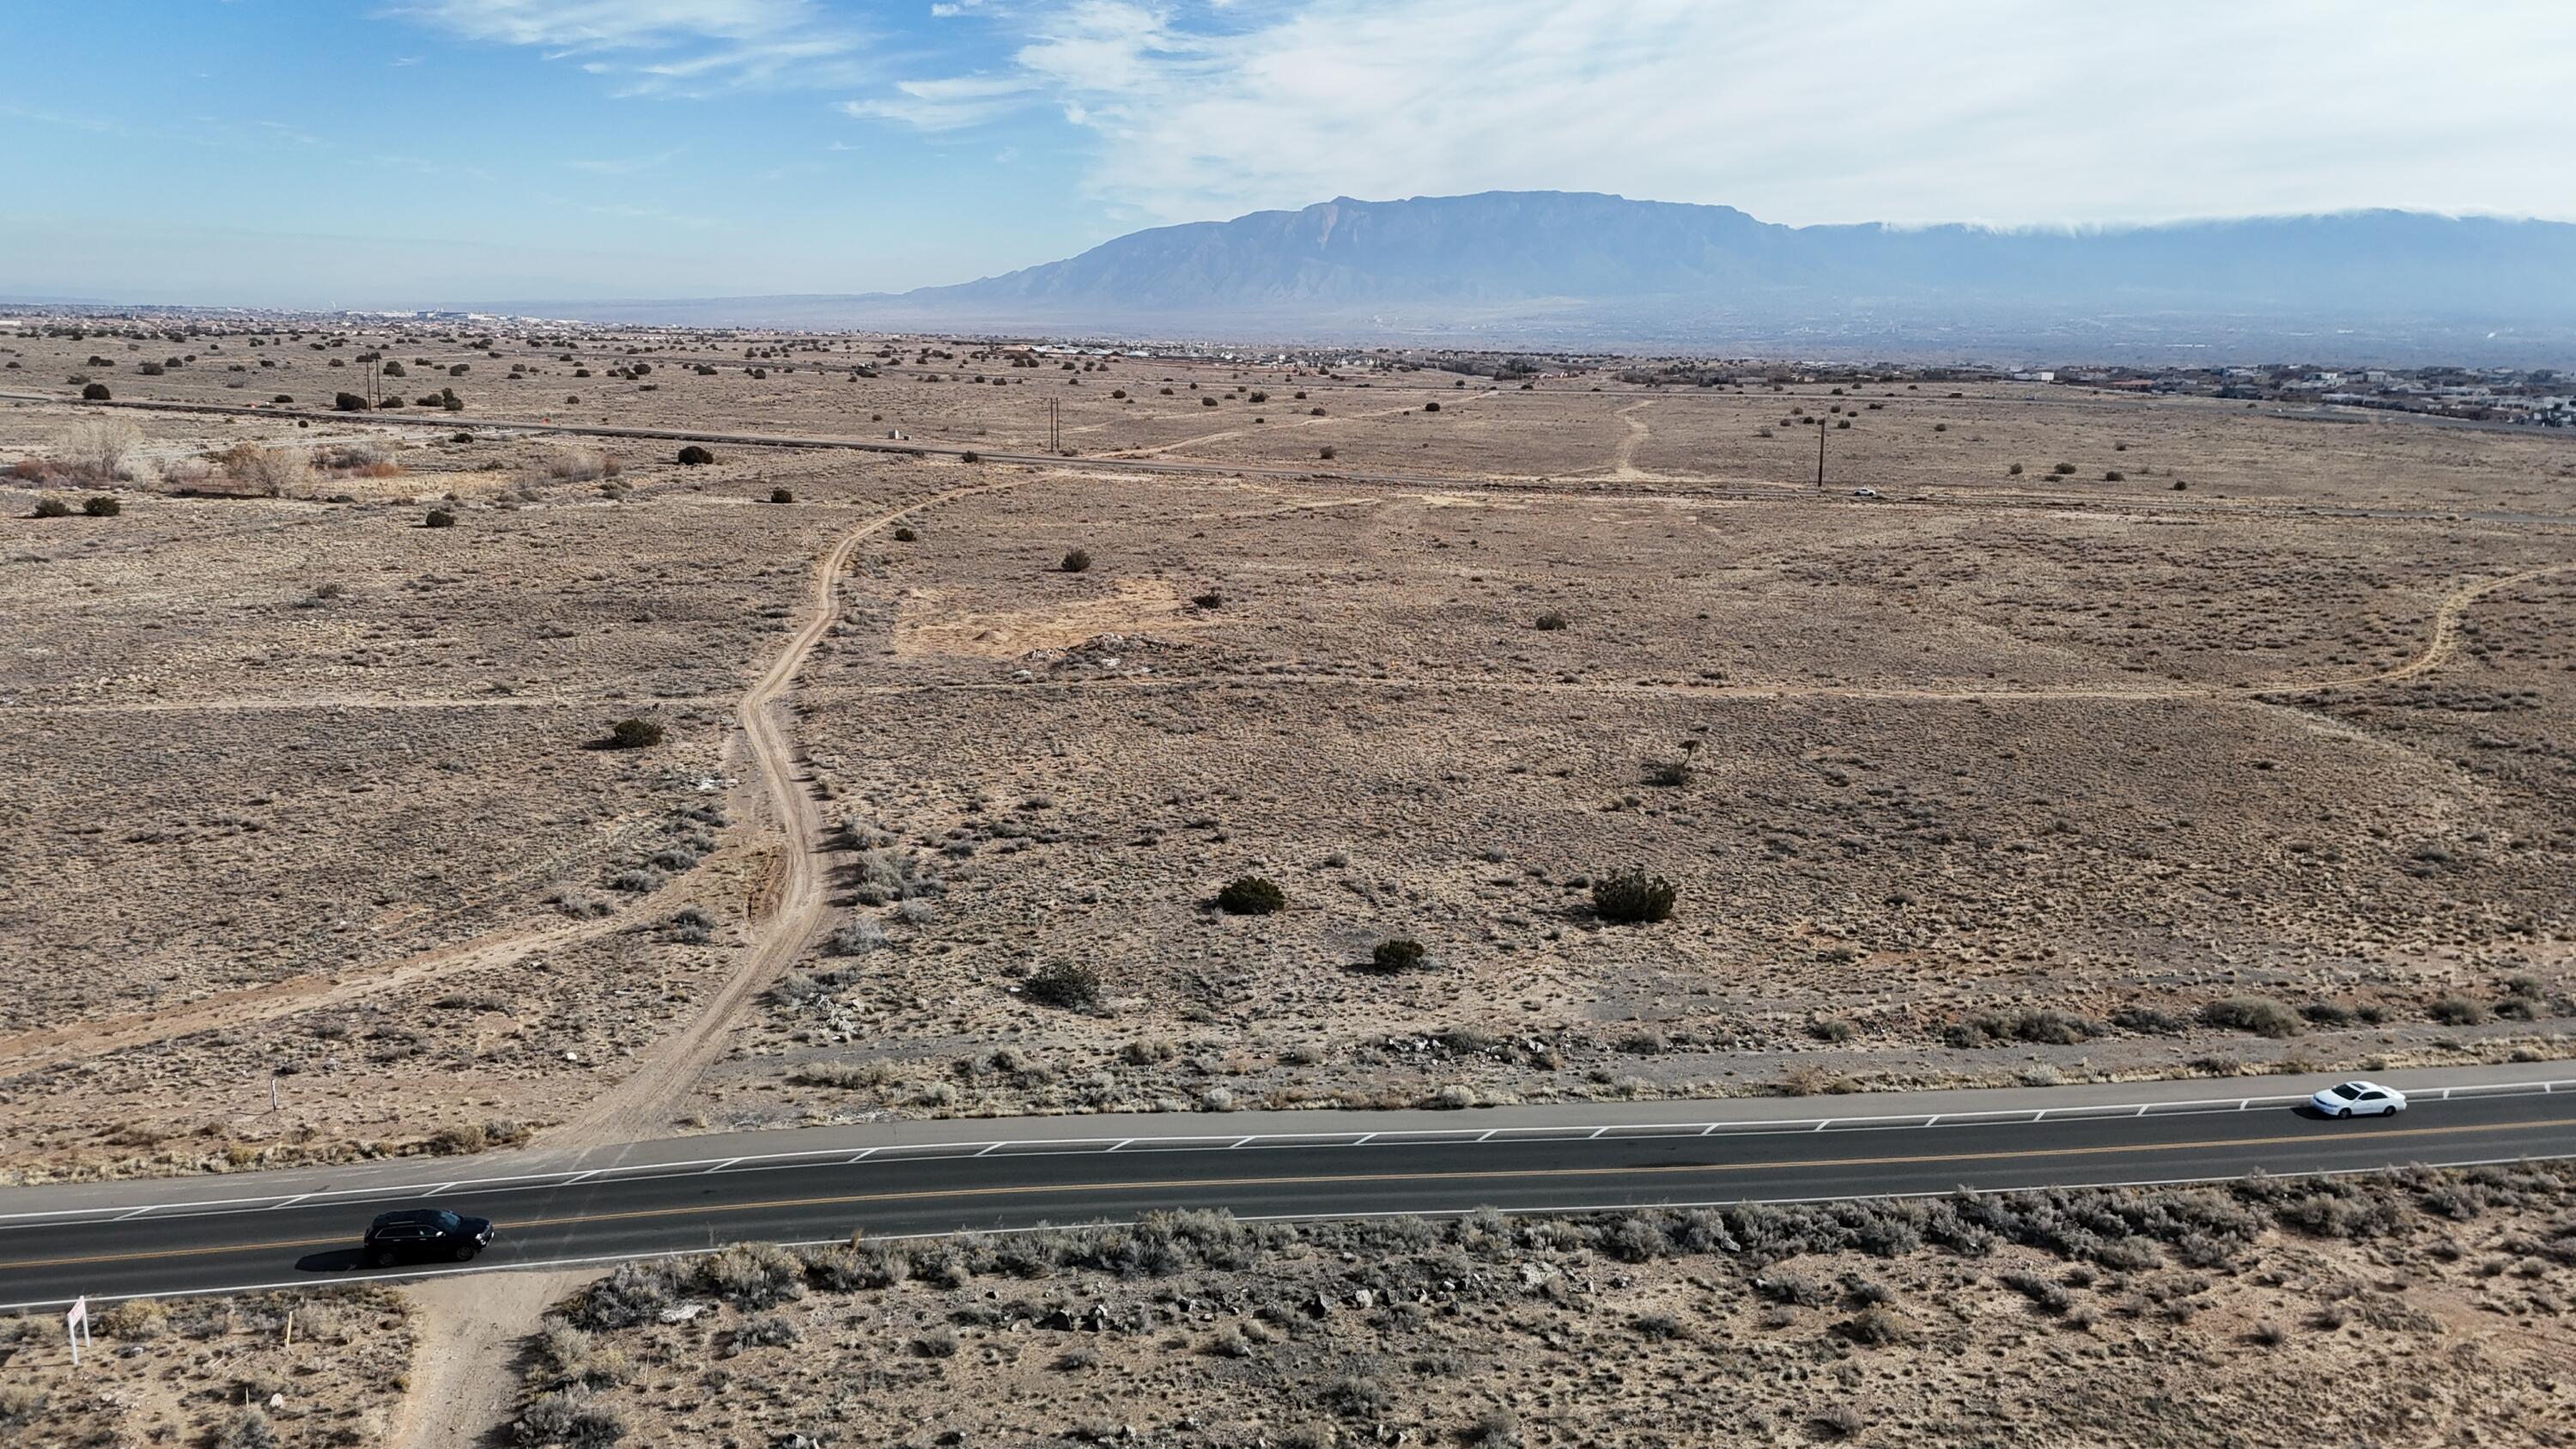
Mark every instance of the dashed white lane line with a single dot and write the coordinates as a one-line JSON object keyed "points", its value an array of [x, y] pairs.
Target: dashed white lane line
{"points": [[1546, 1211], [1066, 1146]]}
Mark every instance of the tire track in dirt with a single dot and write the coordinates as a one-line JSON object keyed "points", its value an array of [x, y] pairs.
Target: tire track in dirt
{"points": [[1623, 463], [327, 703], [641, 1105], [2439, 648], [30, 1051], [2446, 634], [1159, 449]]}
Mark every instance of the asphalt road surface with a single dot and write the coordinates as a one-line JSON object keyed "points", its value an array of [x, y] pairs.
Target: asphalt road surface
{"points": [[108, 1250]]}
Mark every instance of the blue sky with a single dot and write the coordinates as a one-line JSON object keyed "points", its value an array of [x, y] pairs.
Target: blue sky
{"points": [[427, 152]]}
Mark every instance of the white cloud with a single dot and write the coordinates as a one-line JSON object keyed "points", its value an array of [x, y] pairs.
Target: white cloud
{"points": [[945, 105], [668, 46], [2012, 111]]}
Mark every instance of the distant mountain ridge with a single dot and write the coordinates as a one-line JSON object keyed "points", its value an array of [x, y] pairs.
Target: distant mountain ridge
{"points": [[1575, 265]]}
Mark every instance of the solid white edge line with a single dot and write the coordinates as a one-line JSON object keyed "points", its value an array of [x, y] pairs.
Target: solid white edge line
{"points": [[1569, 1210], [1071, 1146]]}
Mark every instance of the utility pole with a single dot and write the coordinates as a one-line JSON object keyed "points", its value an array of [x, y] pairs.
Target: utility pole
{"points": [[1820, 452]]}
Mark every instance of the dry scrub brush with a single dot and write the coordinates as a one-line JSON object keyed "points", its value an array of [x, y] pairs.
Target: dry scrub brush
{"points": [[103, 448]]}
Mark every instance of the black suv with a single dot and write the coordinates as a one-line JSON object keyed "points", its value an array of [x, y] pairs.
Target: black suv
{"points": [[425, 1233]]}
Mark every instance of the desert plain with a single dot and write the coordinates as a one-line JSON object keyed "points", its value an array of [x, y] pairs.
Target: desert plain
{"points": [[2058, 734]]}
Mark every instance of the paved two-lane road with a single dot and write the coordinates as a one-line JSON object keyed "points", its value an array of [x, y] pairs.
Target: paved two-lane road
{"points": [[221, 1239]]}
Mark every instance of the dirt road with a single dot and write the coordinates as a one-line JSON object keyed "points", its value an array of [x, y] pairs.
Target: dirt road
{"points": [[642, 1105]]}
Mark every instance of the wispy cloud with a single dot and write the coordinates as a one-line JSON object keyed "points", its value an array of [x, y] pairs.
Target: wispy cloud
{"points": [[947, 105], [680, 47], [2001, 110]]}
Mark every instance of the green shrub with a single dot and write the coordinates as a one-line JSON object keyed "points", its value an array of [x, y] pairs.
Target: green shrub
{"points": [[102, 505], [903, 534], [349, 402], [1396, 956], [2457, 1011], [781, 495], [1551, 621], [53, 508], [1076, 561], [694, 456], [2063, 470], [1068, 984], [439, 518], [634, 734], [1631, 898], [2260, 1015], [1251, 895]]}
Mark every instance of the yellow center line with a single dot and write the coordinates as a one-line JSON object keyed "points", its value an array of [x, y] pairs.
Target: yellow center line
{"points": [[1904, 1159]]}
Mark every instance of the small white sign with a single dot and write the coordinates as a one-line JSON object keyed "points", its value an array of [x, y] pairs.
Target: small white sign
{"points": [[76, 1323]]}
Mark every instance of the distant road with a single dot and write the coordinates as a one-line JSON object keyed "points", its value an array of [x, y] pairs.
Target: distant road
{"points": [[1838, 492], [221, 1234]]}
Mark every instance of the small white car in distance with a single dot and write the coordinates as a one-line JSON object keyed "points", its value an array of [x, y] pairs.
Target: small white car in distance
{"points": [[2359, 1099], [1864, 493]]}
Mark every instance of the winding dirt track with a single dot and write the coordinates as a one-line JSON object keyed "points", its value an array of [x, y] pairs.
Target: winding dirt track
{"points": [[641, 1106], [801, 901], [1623, 463]]}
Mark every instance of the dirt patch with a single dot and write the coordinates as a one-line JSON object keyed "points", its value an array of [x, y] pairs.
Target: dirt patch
{"points": [[475, 1330], [925, 626]]}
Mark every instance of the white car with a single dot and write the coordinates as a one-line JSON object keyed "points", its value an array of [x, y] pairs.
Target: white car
{"points": [[1864, 493], [2359, 1099]]}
